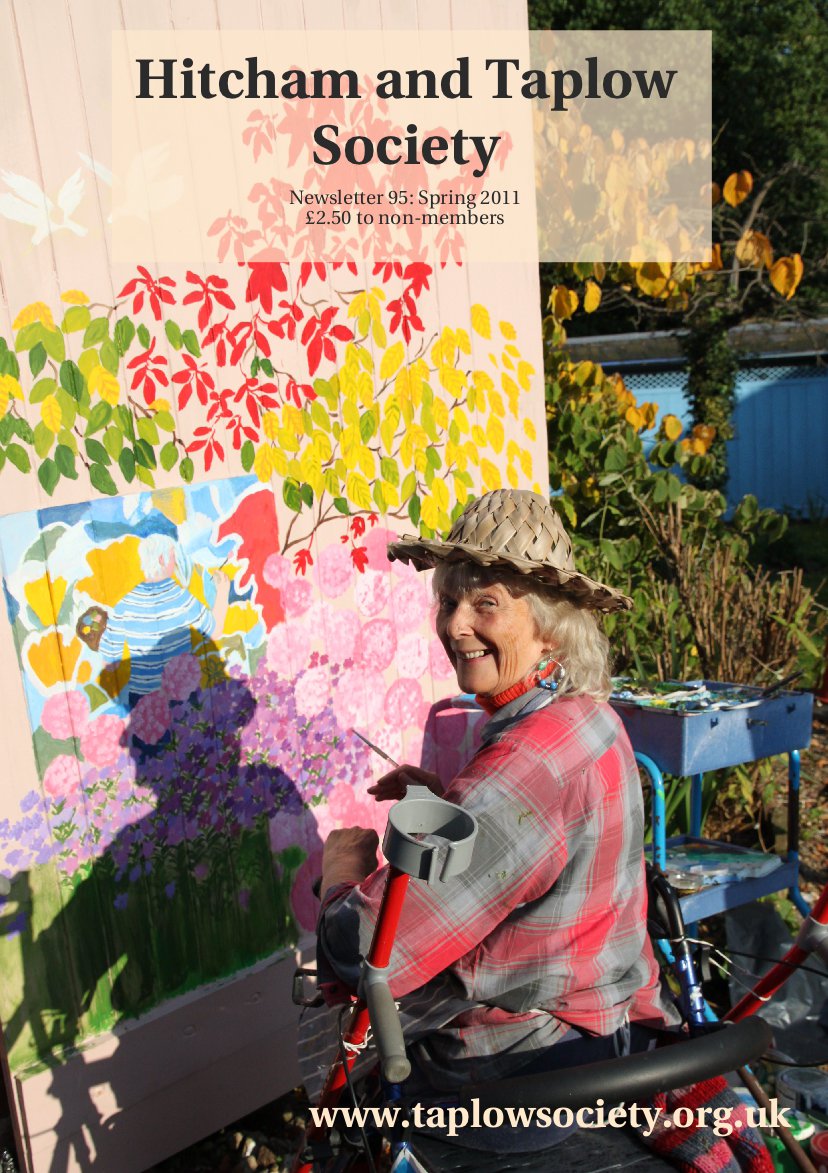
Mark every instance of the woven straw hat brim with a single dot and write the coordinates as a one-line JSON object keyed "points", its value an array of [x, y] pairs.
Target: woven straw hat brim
{"points": [[425, 553]]}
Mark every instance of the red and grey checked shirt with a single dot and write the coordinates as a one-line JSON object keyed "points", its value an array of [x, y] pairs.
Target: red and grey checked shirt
{"points": [[547, 928]]}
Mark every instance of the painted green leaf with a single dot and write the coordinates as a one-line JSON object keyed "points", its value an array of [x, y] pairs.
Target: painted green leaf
{"points": [[44, 547], [125, 421], [164, 421], [9, 364], [102, 481], [169, 455], [114, 441], [68, 438], [291, 495], [320, 416], [414, 510], [37, 359], [2, 459], [267, 367], [187, 469], [72, 379], [433, 458], [55, 346], [173, 332], [342, 505], [22, 429], [19, 457], [144, 475], [43, 438], [379, 497], [68, 407], [144, 336], [367, 426], [248, 455], [42, 389], [109, 356], [389, 470], [191, 342], [5, 429], [65, 461], [96, 451], [29, 336], [124, 333], [306, 493], [99, 417], [144, 454], [409, 485], [97, 696], [48, 475], [126, 463], [76, 318], [147, 430]]}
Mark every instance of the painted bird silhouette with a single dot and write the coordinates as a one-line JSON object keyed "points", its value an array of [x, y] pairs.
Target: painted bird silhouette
{"points": [[27, 203]]}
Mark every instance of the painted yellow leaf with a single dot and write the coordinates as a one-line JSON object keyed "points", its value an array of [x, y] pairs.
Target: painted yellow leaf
{"points": [[270, 425], [116, 569], [263, 463], [6, 385], [529, 430], [388, 432], [512, 394], [526, 463], [496, 400], [440, 412], [672, 426], [357, 490], [786, 275], [279, 462], [512, 476], [391, 493], [461, 490], [463, 341], [287, 440], [36, 311], [322, 446], [114, 678], [74, 297], [392, 360], [470, 448], [491, 475], [592, 296], [53, 660], [84, 672], [349, 445], [478, 435], [525, 371], [481, 323], [452, 380], [365, 389], [459, 417], [420, 462], [430, 512], [440, 493], [104, 384], [51, 414], [11, 387], [367, 462], [482, 381], [241, 617], [508, 331], [45, 596], [494, 433], [737, 188], [563, 302], [159, 405], [442, 352], [311, 467]]}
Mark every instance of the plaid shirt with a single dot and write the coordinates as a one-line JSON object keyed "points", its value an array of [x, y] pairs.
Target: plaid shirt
{"points": [[547, 928]]}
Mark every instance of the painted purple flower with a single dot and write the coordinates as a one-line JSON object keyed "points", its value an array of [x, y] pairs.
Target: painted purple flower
{"points": [[121, 900]]}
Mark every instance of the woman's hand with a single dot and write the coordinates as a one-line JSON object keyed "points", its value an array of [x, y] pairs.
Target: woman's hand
{"points": [[394, 785], [349, 855]]}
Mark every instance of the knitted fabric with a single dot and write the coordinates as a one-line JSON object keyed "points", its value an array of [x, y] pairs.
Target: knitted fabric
{"points": [[696, 1148], [490, 704]]}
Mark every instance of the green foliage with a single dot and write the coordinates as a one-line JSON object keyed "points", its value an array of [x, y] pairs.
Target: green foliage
{"points": [[712, 367]]}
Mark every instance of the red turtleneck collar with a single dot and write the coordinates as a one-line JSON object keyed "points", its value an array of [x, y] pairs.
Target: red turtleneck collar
{"points": [[490, 704]]}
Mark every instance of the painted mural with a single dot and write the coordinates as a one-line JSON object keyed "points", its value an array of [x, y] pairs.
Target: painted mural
{"points": [[192, 700]]}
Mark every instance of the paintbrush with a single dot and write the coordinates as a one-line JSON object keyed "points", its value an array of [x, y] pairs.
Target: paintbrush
{"points": [[375, 748]]}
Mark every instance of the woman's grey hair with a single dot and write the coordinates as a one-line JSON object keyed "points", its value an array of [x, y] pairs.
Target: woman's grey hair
{"points": [[572, 633]]}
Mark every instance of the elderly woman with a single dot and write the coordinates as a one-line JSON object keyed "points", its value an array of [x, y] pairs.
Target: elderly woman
{"points": [[537, 957]]}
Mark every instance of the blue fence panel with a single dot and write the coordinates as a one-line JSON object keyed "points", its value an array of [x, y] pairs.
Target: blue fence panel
{"points": [[780, 450]]}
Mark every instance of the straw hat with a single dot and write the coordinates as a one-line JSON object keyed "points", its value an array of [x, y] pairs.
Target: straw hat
{"points": [[517, 529]]}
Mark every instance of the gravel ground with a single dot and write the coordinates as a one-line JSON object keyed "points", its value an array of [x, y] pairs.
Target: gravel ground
{"points": [[265, 1139]]}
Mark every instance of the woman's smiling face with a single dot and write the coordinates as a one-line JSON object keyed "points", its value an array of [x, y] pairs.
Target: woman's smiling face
{"points": [[489, 636]]}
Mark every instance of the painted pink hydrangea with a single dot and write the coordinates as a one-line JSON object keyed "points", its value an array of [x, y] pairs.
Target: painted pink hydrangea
{"points": [[403, 703], [277, 571], [410, 604], [62, 776], [288, 648], [412, 655], [103, 740], [379, 643], [182, 676], [66, 714], [372, 591], [375, 543], [336, 570], [358, 699], [312, 692], [438, 662], [150, 719], [337, 630], [297, 596]]}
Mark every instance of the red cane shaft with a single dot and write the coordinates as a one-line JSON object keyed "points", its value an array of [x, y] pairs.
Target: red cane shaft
{"points": [[767, 986]]}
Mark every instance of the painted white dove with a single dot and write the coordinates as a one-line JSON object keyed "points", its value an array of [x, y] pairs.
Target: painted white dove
{"points": [[147, 186], [27, 203]]}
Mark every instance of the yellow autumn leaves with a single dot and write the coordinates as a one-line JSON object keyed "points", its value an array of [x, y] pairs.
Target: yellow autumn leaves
{"points": [[390, 426]]}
